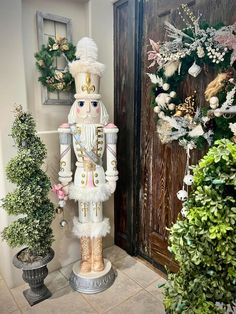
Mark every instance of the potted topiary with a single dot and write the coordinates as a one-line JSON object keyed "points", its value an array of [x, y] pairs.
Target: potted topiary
{"points": [[30, 201], [204, 243]]}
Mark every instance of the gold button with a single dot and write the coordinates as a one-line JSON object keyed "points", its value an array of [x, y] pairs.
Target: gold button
{"points": [[83, 175], [82, 181], [96, 175], [96, 181]]}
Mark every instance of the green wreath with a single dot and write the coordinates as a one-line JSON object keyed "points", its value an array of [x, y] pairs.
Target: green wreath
{"points": [[191, 49], [51, 77]]}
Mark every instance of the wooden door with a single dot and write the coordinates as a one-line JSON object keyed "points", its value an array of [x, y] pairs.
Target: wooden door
{"points": [[125, 118], [162, 166]]}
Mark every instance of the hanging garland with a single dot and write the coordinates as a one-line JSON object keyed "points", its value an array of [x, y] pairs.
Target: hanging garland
{"points": [[190, 51], [51, 77]]}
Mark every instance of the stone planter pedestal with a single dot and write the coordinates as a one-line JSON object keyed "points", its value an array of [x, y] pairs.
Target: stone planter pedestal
{"points": [[34, 274]]}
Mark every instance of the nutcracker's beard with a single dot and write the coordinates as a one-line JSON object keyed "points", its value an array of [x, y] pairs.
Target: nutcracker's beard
{"points": [[88, 136]]}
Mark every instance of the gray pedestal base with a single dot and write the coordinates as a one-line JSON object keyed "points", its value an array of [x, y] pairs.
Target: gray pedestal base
{"points": [[93, 282], [34, 298]]}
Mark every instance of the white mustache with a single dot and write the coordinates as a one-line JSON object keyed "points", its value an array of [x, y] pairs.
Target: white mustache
{"points": [[88, 116]]}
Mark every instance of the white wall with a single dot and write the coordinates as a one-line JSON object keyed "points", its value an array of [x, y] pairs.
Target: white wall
{"points": [[101, 30], [19, 85], [12, 90]]}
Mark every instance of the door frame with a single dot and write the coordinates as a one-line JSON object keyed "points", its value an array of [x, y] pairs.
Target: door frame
{"points": [[135, 35], [129, 240]]}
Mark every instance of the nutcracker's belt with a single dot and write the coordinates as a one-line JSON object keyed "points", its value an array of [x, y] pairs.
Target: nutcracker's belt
{"points": [[89, 166]]}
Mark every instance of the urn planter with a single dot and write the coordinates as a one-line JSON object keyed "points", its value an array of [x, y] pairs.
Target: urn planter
{"points": [[34, 274]]}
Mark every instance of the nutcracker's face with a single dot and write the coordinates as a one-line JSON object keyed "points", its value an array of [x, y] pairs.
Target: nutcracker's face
{"points": [[88, 111]]}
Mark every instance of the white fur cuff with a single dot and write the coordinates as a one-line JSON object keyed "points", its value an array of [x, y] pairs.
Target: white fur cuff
{"points": [[91, 229], [100, 229], [81, 229], [100, 193]]}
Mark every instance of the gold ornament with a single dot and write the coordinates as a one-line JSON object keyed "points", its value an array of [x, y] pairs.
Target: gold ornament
{"points": [[55, 47], [187, 109], [58, 75], [59, 210], [88, 87], [41, 63]]}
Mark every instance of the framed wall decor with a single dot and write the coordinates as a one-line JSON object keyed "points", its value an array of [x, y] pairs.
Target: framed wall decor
{"points": [[50, 25]]}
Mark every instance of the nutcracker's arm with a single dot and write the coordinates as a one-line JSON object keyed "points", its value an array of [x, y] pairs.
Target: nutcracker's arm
{"points": [[65, 173], [111, 131]]}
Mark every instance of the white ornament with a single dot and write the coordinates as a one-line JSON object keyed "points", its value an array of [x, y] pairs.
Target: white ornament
{"points": [[232, 127], [217, 113], [163, 99], [157, 109], [161, 114], [214, 102], [182, 195], [200, 52], [166, 86], [188, 179], [171, 106], [63, 223], [173, 94], [194, 70], [61, 203], [183, 212]]}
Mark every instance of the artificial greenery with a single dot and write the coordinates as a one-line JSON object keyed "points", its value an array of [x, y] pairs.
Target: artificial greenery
{"points": [[51, 77], [198, 47], [204, 243], [30, 198]]}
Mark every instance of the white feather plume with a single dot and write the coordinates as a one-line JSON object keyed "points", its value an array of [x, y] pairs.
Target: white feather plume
{"points": [[155, 79], [86, 49], [174, 32]]}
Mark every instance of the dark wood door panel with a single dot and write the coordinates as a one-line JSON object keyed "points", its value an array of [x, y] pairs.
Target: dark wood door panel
{"points": [[150, 173], [163, 166], [124, 55]]}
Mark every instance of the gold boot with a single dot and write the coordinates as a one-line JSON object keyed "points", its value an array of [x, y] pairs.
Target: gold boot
{"points": [[97, 260], [85, 245]]}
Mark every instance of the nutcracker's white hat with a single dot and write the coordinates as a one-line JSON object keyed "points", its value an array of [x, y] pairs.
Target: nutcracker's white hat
{"points": [[87, 71]]}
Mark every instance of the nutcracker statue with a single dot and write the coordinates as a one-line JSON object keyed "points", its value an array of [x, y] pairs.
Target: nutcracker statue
{"points": [[89, 135]]}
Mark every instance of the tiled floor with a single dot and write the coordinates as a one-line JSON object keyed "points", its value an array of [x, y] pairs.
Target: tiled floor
{"points": [[135, 290]]}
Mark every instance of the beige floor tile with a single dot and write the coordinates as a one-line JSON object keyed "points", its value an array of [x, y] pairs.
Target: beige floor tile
{"points": [[141, 303], [64, 301], [139, 272], [156, 289], [114, 253], [62, 292], [7, 303], [123, 288], [66, 270], [54, 281]]}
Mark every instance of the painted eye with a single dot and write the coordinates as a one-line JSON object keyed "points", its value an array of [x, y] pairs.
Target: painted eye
{"points": [[94, 103], [81, 103]]}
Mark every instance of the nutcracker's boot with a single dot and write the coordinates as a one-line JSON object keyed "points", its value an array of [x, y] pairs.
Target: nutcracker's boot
{"points": [[97, 260], [85, 245]]}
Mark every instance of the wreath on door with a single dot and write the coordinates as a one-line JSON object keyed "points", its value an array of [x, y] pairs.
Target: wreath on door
{"points": [[189, 51]]}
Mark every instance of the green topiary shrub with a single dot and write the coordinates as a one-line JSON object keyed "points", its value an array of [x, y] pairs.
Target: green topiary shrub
{"points": [[204, 243], [30, 198]]}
